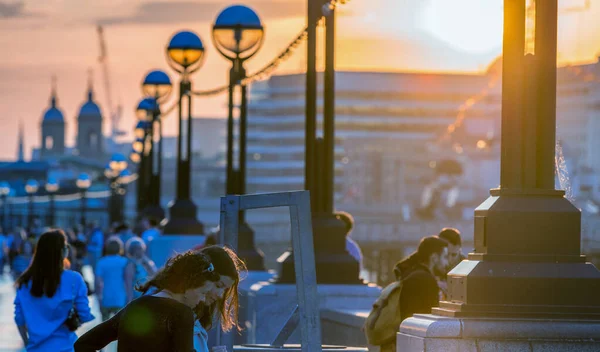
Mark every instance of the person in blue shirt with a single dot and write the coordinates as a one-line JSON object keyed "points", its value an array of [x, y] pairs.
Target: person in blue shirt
{"points": [[150, 229], [95, 244], [23, 247], [3, 251], [114, 287], [46, 293]]}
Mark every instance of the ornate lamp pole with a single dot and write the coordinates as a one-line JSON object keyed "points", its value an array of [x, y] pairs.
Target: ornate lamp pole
{"points": [[83, 183], [51, 189], [156, 87], [31, 188], [185, 54], [238, 35], [333, 263], [527, 260]]}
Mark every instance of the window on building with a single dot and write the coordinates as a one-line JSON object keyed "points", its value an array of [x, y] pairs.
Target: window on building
{"points": [[93, 140], [49, 143]]}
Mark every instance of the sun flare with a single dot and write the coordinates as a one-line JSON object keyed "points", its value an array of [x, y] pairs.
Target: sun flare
{"points": [[474, 26]]}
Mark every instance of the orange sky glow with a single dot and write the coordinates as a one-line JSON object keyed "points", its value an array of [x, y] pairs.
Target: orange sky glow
{"points": [[39, 39]]}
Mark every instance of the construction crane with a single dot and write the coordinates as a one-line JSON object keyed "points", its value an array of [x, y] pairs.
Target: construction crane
{"points": [[115, 113]]}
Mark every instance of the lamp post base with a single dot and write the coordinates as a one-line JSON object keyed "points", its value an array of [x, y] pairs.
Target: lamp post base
{"points": [[154, 211], [527, 262], [182, 219], [247, 251], [432, 333], [334, 265]]}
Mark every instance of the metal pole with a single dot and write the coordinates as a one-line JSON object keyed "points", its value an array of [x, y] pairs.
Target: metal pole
{"points": [[30, 217], [241, 179], [229, 189], [311, 95], [151, 165], [83, 208], [188, 174], [141, 181], [51, 219], [159, 161], [512, 93], [180, 168], [329, 116], [4, 213], [546, 31]]}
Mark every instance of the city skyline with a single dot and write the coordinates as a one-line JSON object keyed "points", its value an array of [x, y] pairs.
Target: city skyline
{"points": [[58, 37]]}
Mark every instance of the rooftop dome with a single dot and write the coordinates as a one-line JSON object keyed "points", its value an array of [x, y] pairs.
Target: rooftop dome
{"points": [[89, 109], [53, 114]]}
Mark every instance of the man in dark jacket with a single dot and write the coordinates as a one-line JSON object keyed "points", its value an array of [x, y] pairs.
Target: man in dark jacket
{"points": [[420, 291], [455, 256]]}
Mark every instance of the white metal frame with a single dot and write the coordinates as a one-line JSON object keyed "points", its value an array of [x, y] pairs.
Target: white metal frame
{"points": [[302, 245]]}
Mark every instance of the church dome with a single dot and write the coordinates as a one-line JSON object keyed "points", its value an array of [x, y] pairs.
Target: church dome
{"points": [[53, 114], [90, 109]]}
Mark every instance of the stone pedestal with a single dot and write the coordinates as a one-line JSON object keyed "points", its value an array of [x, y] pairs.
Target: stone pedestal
{"points": [[164, 247], [432, 333], [270, 305]]}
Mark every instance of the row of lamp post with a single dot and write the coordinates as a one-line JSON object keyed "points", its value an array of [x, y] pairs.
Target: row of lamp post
{"points": [[116, 172], [238, 34], [32, 187]]}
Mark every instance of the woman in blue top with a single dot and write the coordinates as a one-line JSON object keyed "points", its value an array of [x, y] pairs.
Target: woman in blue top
{"points": [[46, 292]]}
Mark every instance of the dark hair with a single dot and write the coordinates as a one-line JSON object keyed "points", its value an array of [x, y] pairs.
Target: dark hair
{"points": [[47, 264], [189, 270], [152, 221], [428, 246], [450, 235], [121, 227], [114, 245], [346, 218], [211, 240]]}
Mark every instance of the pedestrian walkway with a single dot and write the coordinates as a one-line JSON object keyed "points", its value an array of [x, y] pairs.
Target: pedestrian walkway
{"points": [[10, 341]]}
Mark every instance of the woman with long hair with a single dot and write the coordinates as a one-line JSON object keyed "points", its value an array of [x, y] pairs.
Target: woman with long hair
{"points": [[164, 320], [47, 295]]}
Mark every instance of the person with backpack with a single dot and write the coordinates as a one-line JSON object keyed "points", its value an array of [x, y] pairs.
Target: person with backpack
{"points": [[416, 291]]}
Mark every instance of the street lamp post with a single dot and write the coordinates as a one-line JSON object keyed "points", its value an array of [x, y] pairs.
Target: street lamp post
{"points": [[156, 87], [83, 183], [527, 234], [185, 54], [4, 192], [113, 172], [333, 263], [31, 188], [238, 35], [51, 189], [137, 156]]}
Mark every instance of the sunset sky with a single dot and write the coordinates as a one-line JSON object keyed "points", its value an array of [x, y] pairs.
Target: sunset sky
{"points": [[41, 38]]}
